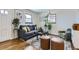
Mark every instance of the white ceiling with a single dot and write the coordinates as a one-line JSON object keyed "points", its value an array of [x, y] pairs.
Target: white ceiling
{"points": [[53, 10], [39, 10]]}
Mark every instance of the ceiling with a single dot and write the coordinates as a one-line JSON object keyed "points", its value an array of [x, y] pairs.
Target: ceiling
{"points": [[54, 10], [40, 10]]}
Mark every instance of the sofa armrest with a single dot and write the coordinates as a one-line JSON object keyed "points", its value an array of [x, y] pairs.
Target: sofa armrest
{"points": [[20, 32]]}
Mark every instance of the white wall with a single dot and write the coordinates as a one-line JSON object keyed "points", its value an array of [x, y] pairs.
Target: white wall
{"points": [[75, 39], [64, 19], [6, 31]]}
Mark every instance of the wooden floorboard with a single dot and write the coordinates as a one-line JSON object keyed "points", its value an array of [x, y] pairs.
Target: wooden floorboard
{"points": [[14, 44]]}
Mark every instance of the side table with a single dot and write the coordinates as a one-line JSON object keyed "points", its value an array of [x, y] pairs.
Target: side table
{"points": [[45, 42], [57, 43]]}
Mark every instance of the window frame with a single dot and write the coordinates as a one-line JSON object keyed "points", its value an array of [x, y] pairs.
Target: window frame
{"points": [[28, 18], [54, 16]]}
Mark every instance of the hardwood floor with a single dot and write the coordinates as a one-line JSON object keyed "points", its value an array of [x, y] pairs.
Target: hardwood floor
{"points": [[15, 44]]}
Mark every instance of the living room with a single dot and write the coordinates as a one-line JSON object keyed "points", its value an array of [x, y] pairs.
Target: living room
{"points": [[63, 19]]}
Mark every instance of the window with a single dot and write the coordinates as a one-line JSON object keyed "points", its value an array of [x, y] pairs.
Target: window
{"points": [[3, 12], [28, 19], [52, 18]]}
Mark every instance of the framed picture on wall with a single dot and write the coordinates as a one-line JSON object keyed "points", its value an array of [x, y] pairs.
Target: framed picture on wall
{"points": [[52, 18]]}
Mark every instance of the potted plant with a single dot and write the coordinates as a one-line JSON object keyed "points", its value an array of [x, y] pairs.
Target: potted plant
{"points": [[49, 26], [15, 23]]}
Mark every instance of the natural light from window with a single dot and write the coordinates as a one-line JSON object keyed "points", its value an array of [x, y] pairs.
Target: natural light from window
{"points": [[28, 18], [3, 12]]}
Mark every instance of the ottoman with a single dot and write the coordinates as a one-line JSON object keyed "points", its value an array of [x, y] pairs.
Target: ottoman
{"points": [[57, 43], [45, 42]]}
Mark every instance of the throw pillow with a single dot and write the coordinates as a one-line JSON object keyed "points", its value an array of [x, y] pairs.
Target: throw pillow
{"points": [[25, 29], [28, 29]]}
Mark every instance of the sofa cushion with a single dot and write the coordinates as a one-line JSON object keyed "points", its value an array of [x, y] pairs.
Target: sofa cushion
{"points": [[32, 27]]}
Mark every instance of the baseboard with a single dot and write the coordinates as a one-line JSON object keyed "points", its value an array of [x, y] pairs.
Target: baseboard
{"points": [[13, 38], [76, 48]]}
